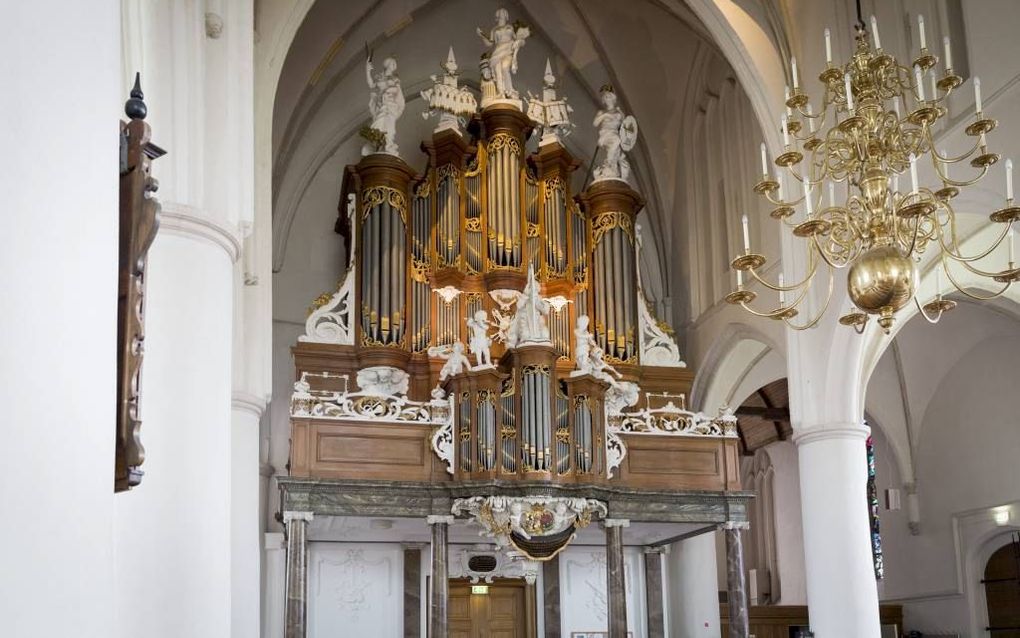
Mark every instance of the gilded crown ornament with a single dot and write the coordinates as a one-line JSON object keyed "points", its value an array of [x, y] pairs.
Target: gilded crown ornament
{"points": [[873, 128]]}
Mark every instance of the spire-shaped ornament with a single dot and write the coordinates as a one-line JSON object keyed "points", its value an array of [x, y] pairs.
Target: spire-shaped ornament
{"points": [[550, 113], [617, 135], [453, 104]]}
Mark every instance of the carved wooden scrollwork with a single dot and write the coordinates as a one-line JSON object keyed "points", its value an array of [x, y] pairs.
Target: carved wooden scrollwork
{"points": [[139, 222]]}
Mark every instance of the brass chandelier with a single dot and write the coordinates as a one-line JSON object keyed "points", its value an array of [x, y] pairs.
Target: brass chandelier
{"points": [[874, 126]]}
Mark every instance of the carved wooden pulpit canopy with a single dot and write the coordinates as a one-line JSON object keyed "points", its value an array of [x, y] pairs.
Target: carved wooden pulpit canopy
{"points": [[139, 221]]}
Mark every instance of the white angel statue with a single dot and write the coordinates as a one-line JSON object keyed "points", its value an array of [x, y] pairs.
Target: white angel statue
{"points": [[480, 342], [617, 135], [584, 346], [386, 104], [506, 40], [456, 361]]}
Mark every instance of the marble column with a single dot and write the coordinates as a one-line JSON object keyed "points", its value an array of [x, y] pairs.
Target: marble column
{"points": [[616, 590], [653, 592], [736, 590], [297, 573], [439, 599], [412, 589], [551, 594]]}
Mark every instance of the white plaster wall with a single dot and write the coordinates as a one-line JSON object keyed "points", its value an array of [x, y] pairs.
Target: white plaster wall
{"points": [[965, 460], [693, 586], [58, 224], [788, 522], [355, 589], [583, 602]]}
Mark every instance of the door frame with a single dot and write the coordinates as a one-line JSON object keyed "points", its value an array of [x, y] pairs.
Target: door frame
{"points": [[530, 599]]}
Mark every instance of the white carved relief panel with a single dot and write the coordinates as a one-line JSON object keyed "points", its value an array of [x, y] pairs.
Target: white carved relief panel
{"points": [[355, 589], [583, 604]]}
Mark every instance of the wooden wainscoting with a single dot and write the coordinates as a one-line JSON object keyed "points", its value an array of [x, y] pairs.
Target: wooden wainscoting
{"points": [[680, 462], [340, 449], [774, 621]]}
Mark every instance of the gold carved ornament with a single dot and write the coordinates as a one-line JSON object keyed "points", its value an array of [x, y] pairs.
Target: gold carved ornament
{"points": [[604, 222], [377, 195]]}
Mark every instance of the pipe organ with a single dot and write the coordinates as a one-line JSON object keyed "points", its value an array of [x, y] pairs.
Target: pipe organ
{"points": [[489, 249]]}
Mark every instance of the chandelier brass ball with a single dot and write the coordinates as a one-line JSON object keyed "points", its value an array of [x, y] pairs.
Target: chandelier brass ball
{"points": [[882, 280]]}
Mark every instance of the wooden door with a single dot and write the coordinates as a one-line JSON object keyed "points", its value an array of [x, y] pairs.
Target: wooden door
{"points": [[1002, 591], [501, 613]]}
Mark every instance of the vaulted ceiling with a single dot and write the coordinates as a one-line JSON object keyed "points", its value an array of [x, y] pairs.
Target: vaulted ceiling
{"points": [[656, 53]]}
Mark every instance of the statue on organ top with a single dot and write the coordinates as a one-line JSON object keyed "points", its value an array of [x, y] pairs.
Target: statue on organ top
{"points": [[529, 324], [617, 135], [386, 104], [551, 113], [505, 40]]}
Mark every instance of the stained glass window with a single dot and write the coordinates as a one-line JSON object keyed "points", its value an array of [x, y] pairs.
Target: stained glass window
{"points": [[876, 535]]}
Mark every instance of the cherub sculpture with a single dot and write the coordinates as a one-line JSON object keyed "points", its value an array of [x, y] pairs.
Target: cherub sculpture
{"points": [[506, 40], [456, 361], [386, 104], [480, 341], [617, 135], [584, 346]]}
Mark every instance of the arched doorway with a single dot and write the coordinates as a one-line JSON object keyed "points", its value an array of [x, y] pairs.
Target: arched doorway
{"points": [[1002, 590]]}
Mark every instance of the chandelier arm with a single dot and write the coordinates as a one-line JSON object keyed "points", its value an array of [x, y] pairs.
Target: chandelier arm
{"points": [[982, 273], [821, 313], [803, 282], [765, 315], [924, 314], [948, 250], [822, 253], [960, 288]]}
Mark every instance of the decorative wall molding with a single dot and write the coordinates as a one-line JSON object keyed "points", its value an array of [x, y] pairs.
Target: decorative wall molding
{"points": [[505, 567], [188, 221]]}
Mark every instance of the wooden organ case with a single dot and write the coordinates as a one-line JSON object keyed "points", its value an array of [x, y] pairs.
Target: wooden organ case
{"points": [[427, 253]]}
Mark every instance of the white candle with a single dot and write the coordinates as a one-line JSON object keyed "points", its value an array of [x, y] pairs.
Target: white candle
{"points": [[779, 178], [934, 87], [828, 46], [786, 132], [874, 33], [920, 27], [808, 202], [740, 279], [764, 160], [747, 236], [832, 195], [1009, 179], [810, 118], [793, 65], [896, 106], [849, 93], [977, 94], [782, 293], [949, 53], [1011, 255], [913, 173], [919, 81]]}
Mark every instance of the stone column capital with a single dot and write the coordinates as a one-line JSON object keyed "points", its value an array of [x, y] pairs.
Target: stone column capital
{"points": [[298, 516], [831, 431], [616, 522], [417, 546], [738, 525], [433, 519], [189, 221]]}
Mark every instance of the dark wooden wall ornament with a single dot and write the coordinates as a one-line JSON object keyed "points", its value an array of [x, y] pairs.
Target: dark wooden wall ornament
{"points": [[139, 222]]}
